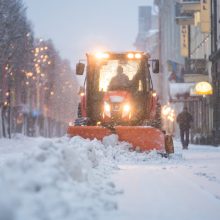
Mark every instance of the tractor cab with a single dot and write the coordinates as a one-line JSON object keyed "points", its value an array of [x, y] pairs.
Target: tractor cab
{"points": [[118, 88], [118, 98]]}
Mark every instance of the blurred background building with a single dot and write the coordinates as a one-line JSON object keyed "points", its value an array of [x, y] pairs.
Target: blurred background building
{"points": [[184, 35]]}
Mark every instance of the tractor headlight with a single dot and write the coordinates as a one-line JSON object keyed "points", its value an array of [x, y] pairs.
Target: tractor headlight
{"points": [[126, 110], [107, 109]]}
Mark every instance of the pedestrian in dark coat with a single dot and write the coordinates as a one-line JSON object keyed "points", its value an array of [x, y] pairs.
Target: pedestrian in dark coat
{"points": [[184, 119]]}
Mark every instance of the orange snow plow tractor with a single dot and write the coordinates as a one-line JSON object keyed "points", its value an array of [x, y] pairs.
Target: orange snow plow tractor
{"points": [[118, 98]]}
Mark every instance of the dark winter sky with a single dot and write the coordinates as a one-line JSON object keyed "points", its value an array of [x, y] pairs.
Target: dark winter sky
{"points": [[79, 26]]}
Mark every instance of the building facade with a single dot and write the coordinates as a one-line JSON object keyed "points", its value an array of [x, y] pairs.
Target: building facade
{"points": [[185, 46], [215, 59]]}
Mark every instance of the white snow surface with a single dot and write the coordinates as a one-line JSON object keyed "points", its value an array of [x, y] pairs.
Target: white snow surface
{"points": [[78, 179]]}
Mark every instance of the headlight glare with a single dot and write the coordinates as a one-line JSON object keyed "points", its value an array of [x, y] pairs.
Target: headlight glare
{"points": [[138, 56], [107, 107], [130, 55], [126, 108]]}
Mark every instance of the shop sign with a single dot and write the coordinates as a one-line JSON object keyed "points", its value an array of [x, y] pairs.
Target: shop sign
{"points": [[184, 40], [203, 88], [205, 18]]}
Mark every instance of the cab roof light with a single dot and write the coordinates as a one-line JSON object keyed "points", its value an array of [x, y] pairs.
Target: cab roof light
{"points": [[130, 55], [138, 56], [102, 55]]}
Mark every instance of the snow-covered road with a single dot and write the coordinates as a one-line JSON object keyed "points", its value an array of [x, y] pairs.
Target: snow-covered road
{"points": [[80, 179]]}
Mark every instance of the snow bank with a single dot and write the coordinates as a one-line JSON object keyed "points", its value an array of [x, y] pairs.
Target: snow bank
{"points": [[62, 178], [57, 179]]}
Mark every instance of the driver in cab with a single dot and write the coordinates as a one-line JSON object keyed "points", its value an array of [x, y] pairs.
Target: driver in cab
{"points": [[120, 81]]}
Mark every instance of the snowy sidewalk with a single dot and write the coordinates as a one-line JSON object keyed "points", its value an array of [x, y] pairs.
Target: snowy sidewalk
{"points": [[162, 193]]}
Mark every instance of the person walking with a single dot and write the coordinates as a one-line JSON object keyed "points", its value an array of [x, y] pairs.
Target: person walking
{"points": [[184, 119]]}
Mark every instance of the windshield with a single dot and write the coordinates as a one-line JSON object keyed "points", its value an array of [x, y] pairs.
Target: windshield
{"points": [[109, 69]]}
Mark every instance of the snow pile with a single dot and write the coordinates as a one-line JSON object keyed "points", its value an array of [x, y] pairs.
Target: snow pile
{"points": [[59, 179], [62, 178]]}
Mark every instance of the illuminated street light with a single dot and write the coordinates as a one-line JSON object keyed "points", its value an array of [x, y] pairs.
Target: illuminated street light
{"points": [[29, 74]]}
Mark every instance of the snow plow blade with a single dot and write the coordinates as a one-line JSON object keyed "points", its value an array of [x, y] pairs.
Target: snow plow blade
{"points": [[144, 138], [141, 138]]}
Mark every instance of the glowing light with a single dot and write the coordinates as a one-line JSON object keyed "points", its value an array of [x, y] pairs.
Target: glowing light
{"points": [[166, 110], [102, 55], [126, 111], [130, 55], [52, 93], [126, 108], [168, 113], [154, 94], [203, 88], [38, 70], [107, 107], [138, 56], [105, 55], [29, 74]]}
